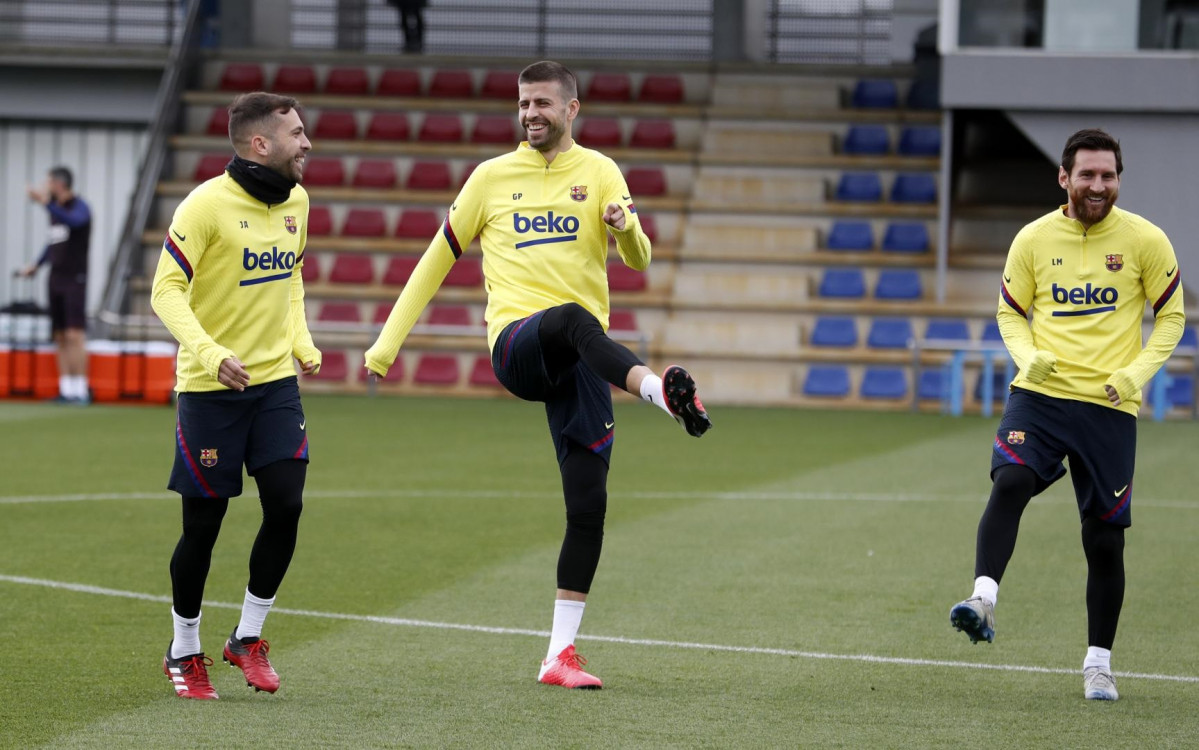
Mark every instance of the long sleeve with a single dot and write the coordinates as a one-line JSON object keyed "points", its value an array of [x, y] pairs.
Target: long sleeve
{"points": [[302, 347], [425, 281], [632, 243], [169, 298], [1015, 297], [74, 217]]}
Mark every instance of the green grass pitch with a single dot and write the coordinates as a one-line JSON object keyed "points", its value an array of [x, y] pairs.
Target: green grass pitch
{"points": [[795, 567]]}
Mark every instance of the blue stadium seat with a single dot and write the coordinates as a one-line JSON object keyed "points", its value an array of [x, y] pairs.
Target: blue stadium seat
{"points": [[843, 282], [859, 186], [1181, 391], [999, 384], [906, 237], [932, 384], [875, 94], [920, 141], [851, 235], [867, 140], [951, 329], [991, 332], [914, 187], [898, 284], [885, 382], [1189, 338], [827, 380], [834, 332], [889, 333]]}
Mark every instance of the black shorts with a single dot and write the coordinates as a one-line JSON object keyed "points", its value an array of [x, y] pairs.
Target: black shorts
{"points": [[218, 431], [578, 403], [1039, 431], [68, 304]]}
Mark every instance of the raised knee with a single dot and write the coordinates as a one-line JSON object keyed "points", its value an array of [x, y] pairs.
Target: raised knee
{"points": [[1015, 481]]}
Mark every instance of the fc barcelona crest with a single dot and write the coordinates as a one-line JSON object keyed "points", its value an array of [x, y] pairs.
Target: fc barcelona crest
{"points": [[208, 457], [1115, 262], [290, 223], [578, 193], [1015, 437]]}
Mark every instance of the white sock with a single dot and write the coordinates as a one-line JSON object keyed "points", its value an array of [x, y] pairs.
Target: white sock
{"points": [[253, 614], [651, 391], [187, 635], [80, 386], [568, 615], [987, 588], [66, 386], [1098, 657]]}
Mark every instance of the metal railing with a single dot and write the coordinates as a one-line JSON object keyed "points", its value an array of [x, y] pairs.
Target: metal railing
{"points": [[154, 23], [851, 32]]}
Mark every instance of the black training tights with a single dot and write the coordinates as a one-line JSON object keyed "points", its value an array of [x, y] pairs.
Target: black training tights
{"points": [[585, 486], [568, 333], [280, 490], [1011, 489]]}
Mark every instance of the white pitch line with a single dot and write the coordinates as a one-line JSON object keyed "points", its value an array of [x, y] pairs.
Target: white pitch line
{"points": [[408, 622]]}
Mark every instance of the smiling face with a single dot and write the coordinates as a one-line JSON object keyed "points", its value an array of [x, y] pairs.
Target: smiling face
{"points": [[287, 146], [546, 116], [1092, 186]]}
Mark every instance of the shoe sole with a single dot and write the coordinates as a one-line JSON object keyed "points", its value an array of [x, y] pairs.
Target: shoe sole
{"points": [[679, 388], [1102, 697], [965, 619], [225, 658]]}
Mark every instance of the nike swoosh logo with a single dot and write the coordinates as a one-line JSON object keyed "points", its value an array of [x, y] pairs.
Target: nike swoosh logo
{"points": [[1120, 491], [1008, 279], [625, 198], [609, 425], [303, 423], [184, 239], [1171, 272]]}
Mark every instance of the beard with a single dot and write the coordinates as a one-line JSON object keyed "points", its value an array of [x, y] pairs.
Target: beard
{"points": [[288, 167], [1092, 213], [548, 138]]}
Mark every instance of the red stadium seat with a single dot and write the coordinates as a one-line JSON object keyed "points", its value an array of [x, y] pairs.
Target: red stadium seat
{"points": [[399, 270], [600, 132], [494, 129], [449, 315], [418, 224], [364, 222], [352, 268], [211, 165], [621, 278], [430, 175], [242, 77], [334, 367], [375, 174], [382, 310], [622, 320], [466, 272], [320, 221], [500, 84], [347, 82], [452, 84], [310, 271], [652, 134], [324, 171], [609, 87], [218, 122], [336, 125], [437, 369], [467, 171], [646, 181], [394, 375], [388, 126], [661, 89], [398, 83], [649, 226], [482, 374], [440, 128], [294, 79], [340, 312]]}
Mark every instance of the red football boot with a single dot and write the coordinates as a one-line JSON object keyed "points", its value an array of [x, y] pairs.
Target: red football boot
{"points": [[679, 389], [251, 659], [566, 669], [189, 674]]}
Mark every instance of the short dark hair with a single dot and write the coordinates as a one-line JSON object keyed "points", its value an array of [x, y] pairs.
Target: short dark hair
{"points": [[1090, 139], [63, 175], [251, 112], [548, 70]]}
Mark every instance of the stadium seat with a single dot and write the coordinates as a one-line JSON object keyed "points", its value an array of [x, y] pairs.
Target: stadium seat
{"points": [[898, 284], [352, 268], [494, 129], [885, 382], [1181, 391], [364, 222], [847, 283], [851, 235], [218, 122], [889, 333], [310, 271], [399, 270], [482, 374], [920, 141], [600, 132], [451, 84], [838, 332], [875, 94], [324, 171], [437, 369], [347, 82], [449, 315], [661, 89], [991, 332], [395, 374], [923, 94], [652, 134], [621, 278], [999, 384], [609, 87], [430, 175], [1190, 338], [646, 181], [340, 312], [418, 224], [320, 221], [398, 83], [388, 126], [242, 77], [500, 84], [859, 186], [648, 225], [906, 238], [827, 381], [947, 329], [440, 127], [382, 311], [914, 187], [622, 319], [334, 367], [375, 174], [467, 171], [209, 166], [932, 384], [466, 272], [867, 140], [294, 79], [336, 125]]}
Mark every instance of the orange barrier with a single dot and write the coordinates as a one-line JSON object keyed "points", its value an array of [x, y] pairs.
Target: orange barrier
{"points": [[29, 373], [131, 371]]}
